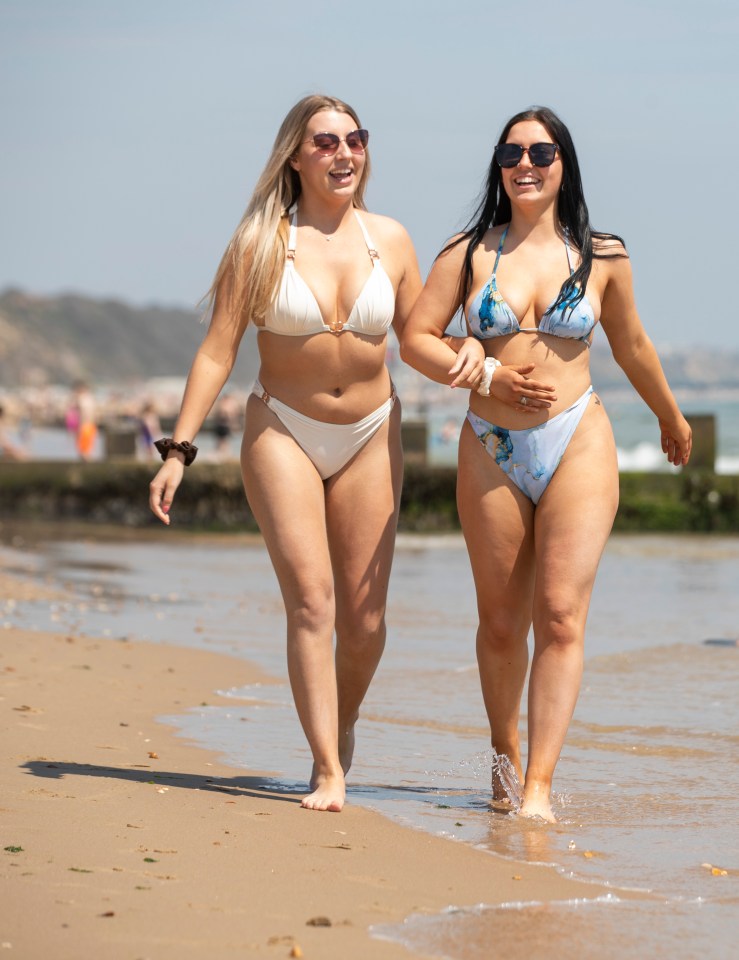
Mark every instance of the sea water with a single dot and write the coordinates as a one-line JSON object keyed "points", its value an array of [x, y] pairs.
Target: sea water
{"points": [[634, 427], [646, 789]]}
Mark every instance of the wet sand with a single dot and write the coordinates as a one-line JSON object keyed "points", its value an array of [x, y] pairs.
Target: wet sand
{"points": [[122, 840]]}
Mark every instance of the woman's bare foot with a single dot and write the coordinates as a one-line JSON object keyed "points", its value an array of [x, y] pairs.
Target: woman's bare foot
{"points": [[328, 792], [536, 802]]}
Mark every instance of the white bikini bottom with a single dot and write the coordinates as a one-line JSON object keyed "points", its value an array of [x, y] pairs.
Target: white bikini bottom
{"points": [[330, 446]]}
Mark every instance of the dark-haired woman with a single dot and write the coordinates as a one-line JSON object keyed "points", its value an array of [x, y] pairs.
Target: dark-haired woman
{"points": [[537, 496], [323, 281]]}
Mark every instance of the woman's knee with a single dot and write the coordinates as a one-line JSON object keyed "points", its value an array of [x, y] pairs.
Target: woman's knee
{"points": [[561, 624], [361, 631], [500, 631], [312, 610]]}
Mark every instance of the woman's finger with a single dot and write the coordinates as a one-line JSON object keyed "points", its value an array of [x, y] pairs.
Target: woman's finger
{"points": [[544, 389], [160, 499], [468, 375]]}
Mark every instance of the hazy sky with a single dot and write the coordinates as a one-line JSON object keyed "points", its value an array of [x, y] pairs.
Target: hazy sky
{"points": [[133, 132]]}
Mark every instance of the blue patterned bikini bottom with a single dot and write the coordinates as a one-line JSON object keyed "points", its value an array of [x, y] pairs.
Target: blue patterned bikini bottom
{"points": [[530, 457]]}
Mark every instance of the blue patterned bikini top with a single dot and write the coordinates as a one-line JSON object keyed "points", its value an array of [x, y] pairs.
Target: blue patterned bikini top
{"points": [[490, 316]]}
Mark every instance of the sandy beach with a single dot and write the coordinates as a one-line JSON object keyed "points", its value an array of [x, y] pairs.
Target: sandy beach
{"points": [[122, 840]]}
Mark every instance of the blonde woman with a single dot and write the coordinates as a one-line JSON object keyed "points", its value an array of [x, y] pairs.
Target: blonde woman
{"points": [[322, 280]]}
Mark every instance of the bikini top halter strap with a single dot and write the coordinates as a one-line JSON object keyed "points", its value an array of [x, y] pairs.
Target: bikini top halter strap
{"points": [[504, 234], [293, 237]]}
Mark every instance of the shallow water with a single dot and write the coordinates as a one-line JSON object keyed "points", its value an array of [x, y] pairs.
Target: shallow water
{"points": [[648, 782]]}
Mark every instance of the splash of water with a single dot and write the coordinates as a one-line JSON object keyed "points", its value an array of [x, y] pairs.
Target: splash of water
{"points": [[507, 777]]}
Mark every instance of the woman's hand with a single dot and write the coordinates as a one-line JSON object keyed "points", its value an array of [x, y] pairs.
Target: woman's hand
{"points": [[677, 440], [468, 368], [512, 386], [162, 488]]}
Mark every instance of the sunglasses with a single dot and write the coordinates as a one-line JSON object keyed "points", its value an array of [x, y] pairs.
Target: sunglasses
{"points": [[357, 140], [540, 154]]}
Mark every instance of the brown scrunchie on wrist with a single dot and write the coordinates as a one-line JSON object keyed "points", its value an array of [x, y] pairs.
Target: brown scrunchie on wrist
{"points": [[167, 443]]}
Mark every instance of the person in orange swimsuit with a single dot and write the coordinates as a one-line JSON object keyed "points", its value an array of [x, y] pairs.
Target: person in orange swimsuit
{"points": [[86, 428]]}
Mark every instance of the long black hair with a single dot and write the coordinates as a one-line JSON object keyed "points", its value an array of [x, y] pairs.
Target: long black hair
{"points": [[572, 212]]}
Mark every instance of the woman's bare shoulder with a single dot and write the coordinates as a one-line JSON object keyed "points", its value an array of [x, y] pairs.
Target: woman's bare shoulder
{"points": [[385, 229]]}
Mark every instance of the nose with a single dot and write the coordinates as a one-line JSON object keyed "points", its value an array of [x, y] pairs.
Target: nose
{"points": [[343, 150], [526, 155]]}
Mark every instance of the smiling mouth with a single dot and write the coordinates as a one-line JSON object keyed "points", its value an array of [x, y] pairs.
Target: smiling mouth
{"points": [[341, 174], [525, 181]]}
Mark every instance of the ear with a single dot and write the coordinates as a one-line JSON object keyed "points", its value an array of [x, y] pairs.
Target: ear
{"points": [[295, 163]]}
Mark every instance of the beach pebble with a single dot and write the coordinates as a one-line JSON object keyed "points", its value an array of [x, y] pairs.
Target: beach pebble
{"points": [[296, 951]]}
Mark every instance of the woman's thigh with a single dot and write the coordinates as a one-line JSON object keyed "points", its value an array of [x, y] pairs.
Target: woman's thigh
{"points": [[362, 504], [574, 518], [498, 524], [286, 495]]}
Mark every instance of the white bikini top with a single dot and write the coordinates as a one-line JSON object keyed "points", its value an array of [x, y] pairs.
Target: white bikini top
{"points": [[294, 310]]}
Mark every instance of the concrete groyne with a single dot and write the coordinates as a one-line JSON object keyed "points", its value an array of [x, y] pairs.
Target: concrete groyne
{"points": [[212, 497]]}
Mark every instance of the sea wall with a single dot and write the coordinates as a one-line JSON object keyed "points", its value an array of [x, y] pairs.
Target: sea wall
{"points": [[212, 497]]}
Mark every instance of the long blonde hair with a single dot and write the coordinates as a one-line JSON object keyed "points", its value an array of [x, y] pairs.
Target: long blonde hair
{"points": [[254, 258]]}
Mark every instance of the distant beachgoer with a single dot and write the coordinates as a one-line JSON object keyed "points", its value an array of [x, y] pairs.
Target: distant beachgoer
{"points": [[226, 423], [8, 449], [537, 499], [149, 428], [322, 280], [81, 418]]}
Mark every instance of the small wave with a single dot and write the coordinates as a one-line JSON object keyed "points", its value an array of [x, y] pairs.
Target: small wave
{"points": [[648, 457], [643, 457]]}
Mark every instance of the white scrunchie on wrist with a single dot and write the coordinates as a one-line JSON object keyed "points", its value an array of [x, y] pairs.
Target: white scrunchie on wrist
{"points": [[490, 365]]}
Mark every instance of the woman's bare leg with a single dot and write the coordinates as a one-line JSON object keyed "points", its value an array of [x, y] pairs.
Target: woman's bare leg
{"points": [[498, 524], [572, 522], [362, 504], [277, 474]]}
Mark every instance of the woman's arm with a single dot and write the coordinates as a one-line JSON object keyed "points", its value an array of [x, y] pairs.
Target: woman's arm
{"points": [[209, 372], [458, 362], [467, 364], [402, 252], [634, 352]]}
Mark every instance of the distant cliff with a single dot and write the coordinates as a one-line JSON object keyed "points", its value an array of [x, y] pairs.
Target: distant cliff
{"points": [[692, 368], [70, 337]]}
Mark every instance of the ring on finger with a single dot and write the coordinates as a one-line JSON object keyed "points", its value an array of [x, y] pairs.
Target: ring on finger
{"points": [[523, 401]]}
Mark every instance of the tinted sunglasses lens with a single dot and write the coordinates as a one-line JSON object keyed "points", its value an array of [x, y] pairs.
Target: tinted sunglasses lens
{"points": [[508, 154], [542, 154], [357, 140], [326, 141]]}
